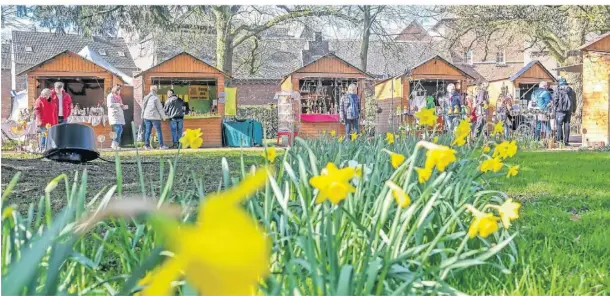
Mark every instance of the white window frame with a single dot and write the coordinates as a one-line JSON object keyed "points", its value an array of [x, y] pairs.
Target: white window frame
{"points": [[503, 62], [121, 53], [469, 60], [31, 49], [103, 52]]}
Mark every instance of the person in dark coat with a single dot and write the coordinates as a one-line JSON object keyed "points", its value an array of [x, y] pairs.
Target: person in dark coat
{"points": [[175, 108], [564, 100]]}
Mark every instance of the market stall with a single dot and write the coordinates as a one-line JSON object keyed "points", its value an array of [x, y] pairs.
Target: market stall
{"points": [[320, 85], [199, 84], [87, 78], [423, 85]]}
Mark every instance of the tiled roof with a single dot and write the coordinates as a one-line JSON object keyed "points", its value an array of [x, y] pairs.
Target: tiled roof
{"points": [[6, 55], [46, 45], [469, 69], [494, 72]]}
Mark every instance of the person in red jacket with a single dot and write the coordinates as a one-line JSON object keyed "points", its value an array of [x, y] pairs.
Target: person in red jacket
{"points": [[63, 100], [45, 110]]}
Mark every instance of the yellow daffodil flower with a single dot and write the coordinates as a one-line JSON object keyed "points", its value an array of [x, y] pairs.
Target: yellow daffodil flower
{"points": [[225, 253], [423, 174], [333, 133], [396, 159], [401, 197], [492, 164], [486, 149], [426, 117], [463, 129], [483, 224], [498, 128], [506, 149], [512, 171], [509, 211], [333, 183], [461, 141], [354, 136], [440, 156], [341, 139], [435, 140], [389, 138], [7, 212], [269, 154], [192, 138]]}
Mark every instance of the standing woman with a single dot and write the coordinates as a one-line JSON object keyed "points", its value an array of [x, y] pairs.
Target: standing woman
{"points": [[349, 110], [45, 110], [116, 117]]}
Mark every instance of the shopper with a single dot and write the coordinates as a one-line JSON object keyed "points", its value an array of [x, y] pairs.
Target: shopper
{"points": [[45, 110], [116, 117], [541, 101], [63, 100], [564, 100], [152, 114], [349, 111], [481, 106], [175, 108]]}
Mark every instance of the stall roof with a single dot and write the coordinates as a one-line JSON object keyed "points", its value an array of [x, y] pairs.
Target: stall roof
{"points": [[82, 56], [577, 68], [529, 66], [92, 56], [437, 57], [588, 45], [178, 54], [332, 55]]}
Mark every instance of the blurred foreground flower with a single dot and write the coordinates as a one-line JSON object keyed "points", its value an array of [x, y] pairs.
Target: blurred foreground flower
{"points": [[225, 253], [423, 174], [426, 117], [483, 224], [333, 183], [269, 154], [192, 138]]}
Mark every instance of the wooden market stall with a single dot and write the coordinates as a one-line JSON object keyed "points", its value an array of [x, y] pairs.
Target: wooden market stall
{"points": [[595, 70], [87, 80], [401, 96], [199, 84], [320, 85]]}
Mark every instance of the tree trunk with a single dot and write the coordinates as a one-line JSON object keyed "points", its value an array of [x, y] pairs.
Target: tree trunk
{"points": [[578, 31], [366, 34], [224, 40]]}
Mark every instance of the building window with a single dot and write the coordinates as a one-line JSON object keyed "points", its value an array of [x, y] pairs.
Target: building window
{"points": [[468, 57], [29, 49], [500, 58], [102, 52], [121, 53]]}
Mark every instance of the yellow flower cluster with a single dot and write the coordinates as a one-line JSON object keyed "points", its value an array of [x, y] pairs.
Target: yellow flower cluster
{"points": [[501, 152], [498, 128], [438, 156], [484, 224], [224, 253]]}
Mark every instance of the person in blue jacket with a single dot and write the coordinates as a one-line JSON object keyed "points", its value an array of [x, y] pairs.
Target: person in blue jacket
{"points": [[541, 100]]}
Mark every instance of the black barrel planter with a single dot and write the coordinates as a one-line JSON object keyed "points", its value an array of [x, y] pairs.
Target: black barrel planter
{"points": [[71, 142]]}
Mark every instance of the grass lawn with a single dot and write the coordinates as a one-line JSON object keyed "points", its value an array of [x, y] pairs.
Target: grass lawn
{"points": [[564, 241]]}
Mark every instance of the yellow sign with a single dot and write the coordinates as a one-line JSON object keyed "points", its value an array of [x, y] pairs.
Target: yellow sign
{"points": [[199, 92], [230, 101]]}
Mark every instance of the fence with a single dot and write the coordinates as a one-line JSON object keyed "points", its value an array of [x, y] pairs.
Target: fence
{"points": [[266, 114]]}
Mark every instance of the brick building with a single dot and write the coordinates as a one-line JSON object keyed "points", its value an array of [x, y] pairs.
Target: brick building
{"points": [[5, 95]]}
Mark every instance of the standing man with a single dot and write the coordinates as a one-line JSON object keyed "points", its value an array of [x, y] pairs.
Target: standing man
{"points": [[63, 101], [541, 100], [152, 114], [45, 110], [175, 109], [453, 107], [481, 106], [564, 100], [349, 110]]}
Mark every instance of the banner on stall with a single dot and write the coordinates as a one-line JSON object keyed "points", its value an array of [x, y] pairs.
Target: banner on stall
{"points": [[230, 101]]}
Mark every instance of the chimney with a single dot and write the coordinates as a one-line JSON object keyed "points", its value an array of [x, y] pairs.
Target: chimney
{"points": [[316, 48]]}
